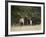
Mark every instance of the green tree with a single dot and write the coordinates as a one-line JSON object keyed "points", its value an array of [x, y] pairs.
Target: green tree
{"points": [[25, 11]]}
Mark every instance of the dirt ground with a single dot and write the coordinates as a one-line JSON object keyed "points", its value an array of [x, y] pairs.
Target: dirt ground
{"points": [[26, 28]]}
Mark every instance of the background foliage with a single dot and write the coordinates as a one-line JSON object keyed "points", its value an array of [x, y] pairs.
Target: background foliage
{"points": [[25, 11]]}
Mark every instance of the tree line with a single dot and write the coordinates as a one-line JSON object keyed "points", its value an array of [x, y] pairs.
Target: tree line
{"points": [[26, 11]]}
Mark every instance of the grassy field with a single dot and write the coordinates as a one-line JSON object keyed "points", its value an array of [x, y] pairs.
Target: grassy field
{"points": [[26, 28]]}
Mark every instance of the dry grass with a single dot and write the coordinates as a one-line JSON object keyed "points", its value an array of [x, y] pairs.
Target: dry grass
{"points": [[26, 28]]}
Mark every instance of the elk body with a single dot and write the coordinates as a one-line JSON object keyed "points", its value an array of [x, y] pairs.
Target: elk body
{"points": [[21, 21]]}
